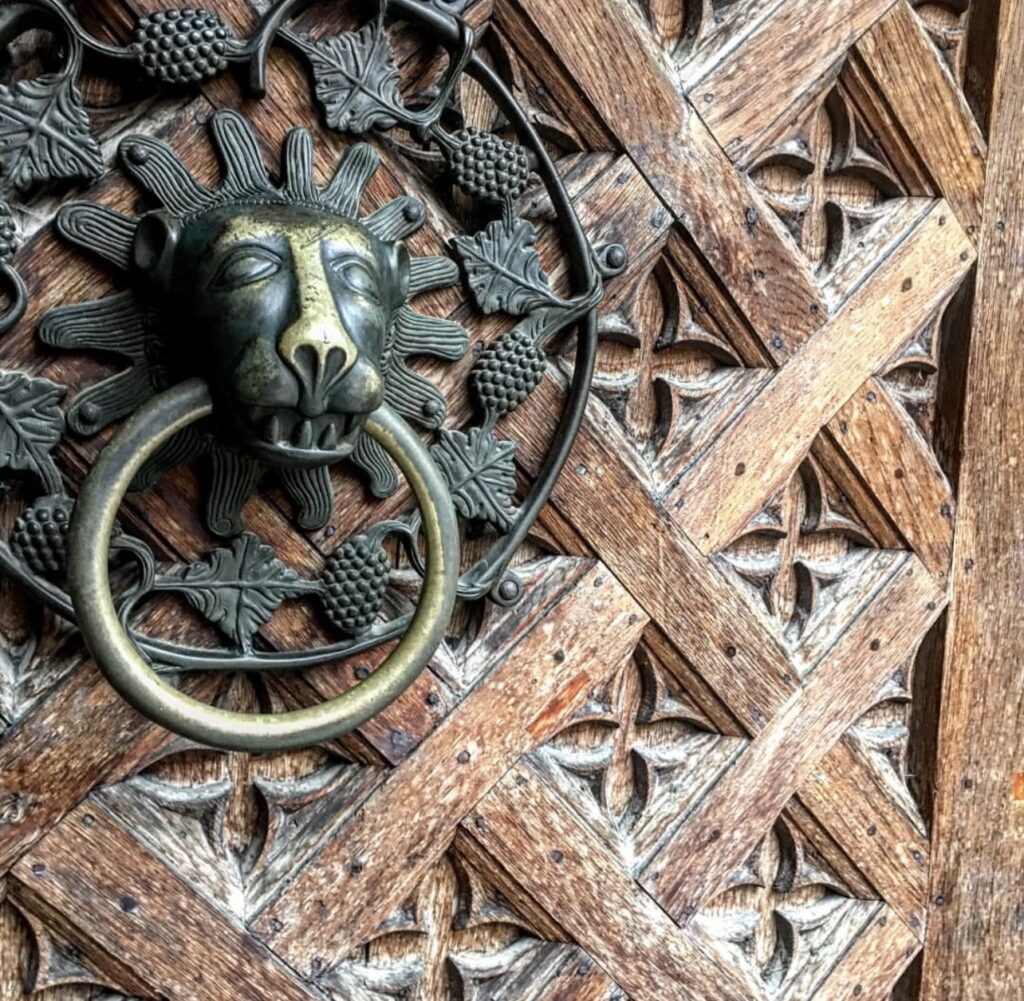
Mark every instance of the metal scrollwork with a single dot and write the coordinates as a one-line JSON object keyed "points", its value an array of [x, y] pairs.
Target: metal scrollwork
{"points": [[266, 326]]}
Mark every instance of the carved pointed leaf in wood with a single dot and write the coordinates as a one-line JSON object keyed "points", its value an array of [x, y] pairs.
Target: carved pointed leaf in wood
{"points": [[31, 664], [786, 918]]}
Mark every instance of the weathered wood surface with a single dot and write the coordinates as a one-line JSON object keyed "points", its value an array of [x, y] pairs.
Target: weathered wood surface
{"points": [[678, 768], [976, 932], [534, 688]]}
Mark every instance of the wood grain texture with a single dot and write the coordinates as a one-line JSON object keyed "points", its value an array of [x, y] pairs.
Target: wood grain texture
{"points": [[736, 232], [562, 653], [931, 108], [879, 439], [732, 98], [716, 839], [878, 836], [143, 915], [874, 963], [485, 835], [720, 494], [718, 634], [975, 929], [707, 619], [522, 824], [75, 739]]}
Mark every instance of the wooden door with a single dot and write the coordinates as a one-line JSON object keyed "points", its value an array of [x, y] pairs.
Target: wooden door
{"points": [[697, 759]]}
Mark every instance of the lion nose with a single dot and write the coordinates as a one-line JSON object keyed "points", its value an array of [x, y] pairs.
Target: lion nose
{"points": [[319, 355]]}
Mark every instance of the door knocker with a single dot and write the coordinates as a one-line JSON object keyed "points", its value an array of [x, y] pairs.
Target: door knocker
{"points": [[266, 324]]}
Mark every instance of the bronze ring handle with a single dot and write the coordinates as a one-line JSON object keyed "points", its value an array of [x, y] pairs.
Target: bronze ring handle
{"points": [[127, 670]]}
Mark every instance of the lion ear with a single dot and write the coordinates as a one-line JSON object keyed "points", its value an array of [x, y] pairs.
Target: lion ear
{"points": [[156, 239]]}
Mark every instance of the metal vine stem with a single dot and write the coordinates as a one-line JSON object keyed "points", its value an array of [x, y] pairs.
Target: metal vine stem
{"points": [[67, 151]]}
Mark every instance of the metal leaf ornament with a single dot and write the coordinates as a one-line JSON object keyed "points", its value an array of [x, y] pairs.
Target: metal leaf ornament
{"points": [[159, 329], [239, 588], [481, 473], [31, 425], [44, 134], [132, 327], [503, 269], [356, 79]]}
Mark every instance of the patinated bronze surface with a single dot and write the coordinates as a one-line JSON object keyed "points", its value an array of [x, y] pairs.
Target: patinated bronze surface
{"points": [[266, 325]]}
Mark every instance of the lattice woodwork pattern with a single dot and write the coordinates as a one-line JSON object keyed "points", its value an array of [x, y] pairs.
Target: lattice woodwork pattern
{"points": [[683, 766]]}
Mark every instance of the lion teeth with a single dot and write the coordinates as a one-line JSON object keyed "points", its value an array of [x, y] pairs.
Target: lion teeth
{"points": [[272, 430], [304, 439], [329, 438]]}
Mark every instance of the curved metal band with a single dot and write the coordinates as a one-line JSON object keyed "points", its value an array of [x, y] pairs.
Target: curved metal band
{"points": [[127, 670], [19, 298]]}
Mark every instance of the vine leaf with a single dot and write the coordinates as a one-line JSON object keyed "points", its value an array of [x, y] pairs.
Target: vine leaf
{"points": [[239, 588], [357, 80], [503, 269], [481, 474], [44, 133], [31, 424]]}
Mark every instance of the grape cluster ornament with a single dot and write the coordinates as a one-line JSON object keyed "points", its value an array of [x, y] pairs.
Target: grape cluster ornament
{"points": [[181, 47], [223, 363]]}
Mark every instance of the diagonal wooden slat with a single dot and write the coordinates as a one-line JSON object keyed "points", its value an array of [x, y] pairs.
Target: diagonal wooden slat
{"points": [[723, 831], [524, 823], [704, 617], [873, 963], [51, 759], [721, 493], [564, 867], [718, 38], [732, 98], [727, 217], [110, 890], [586, 631], [697, 187], [883, 445], [876, 833], [930, 108], [63, 957]]}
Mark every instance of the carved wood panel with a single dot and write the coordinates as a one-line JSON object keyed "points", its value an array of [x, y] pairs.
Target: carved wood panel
{"points": [[693, 761]]}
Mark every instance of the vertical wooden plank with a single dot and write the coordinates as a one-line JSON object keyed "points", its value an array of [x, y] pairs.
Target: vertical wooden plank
{"points": [[976, 930]]}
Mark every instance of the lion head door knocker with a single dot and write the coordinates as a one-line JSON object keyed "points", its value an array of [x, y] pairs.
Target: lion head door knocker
{"points": [[266, 324]]}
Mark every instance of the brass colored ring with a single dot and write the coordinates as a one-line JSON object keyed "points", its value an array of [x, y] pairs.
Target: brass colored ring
{"points": [[136, 681]]}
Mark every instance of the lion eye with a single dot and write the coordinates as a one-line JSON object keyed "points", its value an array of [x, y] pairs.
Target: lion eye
{"points": [[246, 267], [358, 277]]}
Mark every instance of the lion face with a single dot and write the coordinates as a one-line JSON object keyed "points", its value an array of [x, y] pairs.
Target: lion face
{"points": [[286, 311]]}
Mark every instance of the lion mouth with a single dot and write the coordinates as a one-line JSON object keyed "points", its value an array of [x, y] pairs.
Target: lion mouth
{"points": [[280, 435]]}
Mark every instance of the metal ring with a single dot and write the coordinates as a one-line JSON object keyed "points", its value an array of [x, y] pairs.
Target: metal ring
{"points": [[19, 298], [126, 669]]}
